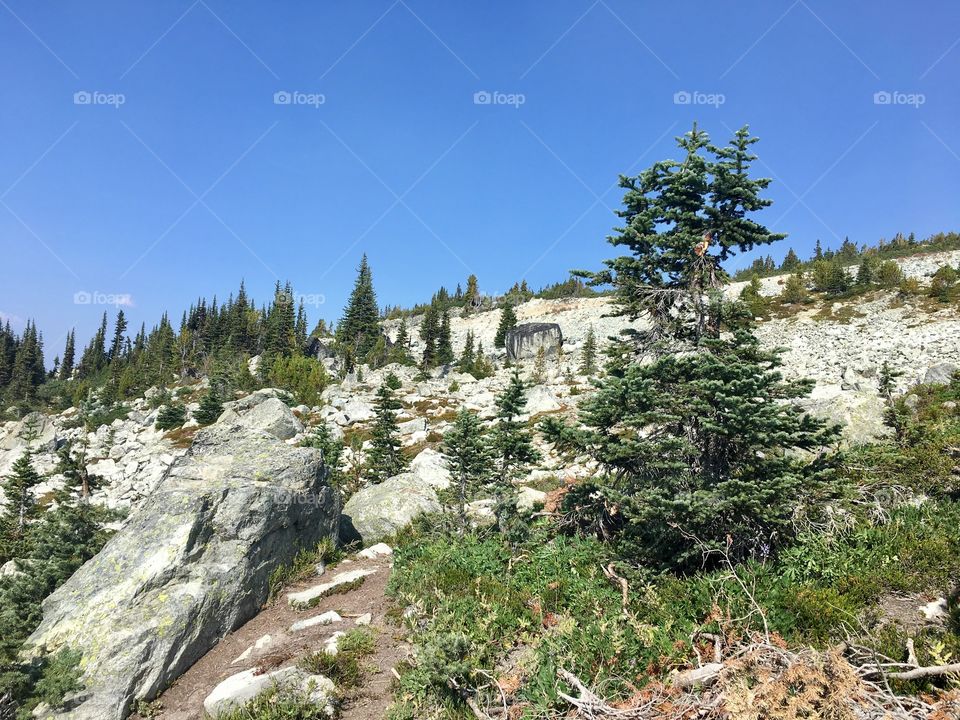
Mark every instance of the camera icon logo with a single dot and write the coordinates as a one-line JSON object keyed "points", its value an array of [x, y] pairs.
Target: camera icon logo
{"points": [[82, 297], [482, 97], [82, 97], [282, 97], [882, 97], [682, 97]]}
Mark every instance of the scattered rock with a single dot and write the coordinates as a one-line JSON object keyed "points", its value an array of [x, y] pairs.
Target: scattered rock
{"points": [[540, 399], [327, 618], [528, 498], [239, 689], [310, 597], [378, 511], [364, 619], [375, 551]]}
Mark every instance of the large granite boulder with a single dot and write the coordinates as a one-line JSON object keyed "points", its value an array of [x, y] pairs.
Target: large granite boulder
{"points": [[525, 341], [190, 565], [431, 467], [271, 416], [378, 511], [940, 374]]}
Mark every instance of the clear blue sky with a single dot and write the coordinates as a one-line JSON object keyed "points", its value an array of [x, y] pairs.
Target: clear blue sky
{"points": [[199, 178]]}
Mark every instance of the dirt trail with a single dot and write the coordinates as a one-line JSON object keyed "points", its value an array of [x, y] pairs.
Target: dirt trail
{"points": [[184, 699]]}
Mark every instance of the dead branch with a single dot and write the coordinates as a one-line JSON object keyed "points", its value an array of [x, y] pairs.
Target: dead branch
{"points": [[612, 576]]}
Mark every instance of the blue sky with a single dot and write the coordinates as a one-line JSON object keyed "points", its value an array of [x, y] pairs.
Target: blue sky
{"points": [[180, 170]]}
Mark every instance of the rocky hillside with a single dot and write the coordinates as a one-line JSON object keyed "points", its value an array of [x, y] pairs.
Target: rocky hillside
{"points": [[212, 513]]}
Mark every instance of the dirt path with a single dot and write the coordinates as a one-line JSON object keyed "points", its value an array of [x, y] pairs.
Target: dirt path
{"points": [[184, 699]]}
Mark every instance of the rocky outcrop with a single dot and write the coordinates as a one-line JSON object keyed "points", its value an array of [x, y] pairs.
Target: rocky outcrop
{"points": [[940, 374], [525, 341], [262, 412], [378, 511], [191, 565]]}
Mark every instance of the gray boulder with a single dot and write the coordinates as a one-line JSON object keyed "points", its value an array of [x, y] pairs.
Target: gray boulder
{"points": [[35, 430], [191, 565], [524, 341], [940, 374], [378, 511], [271, 415]]}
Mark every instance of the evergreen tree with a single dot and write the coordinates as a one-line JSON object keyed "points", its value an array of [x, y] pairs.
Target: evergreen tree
{"points": [[300, 331], [818, 251], [683, 219], [794, 289], [73, 466], [698, 449], [512, 442], [867, 272], [18, 508], [471, 296], [8, 352], [360, 326], [468, 356], [385, 458], [28, 371], [66, 365], [211, 406], [444, 345], [752, 296], [700, 446], [508, 321], [280, 338], [830, 276], [791, 262], [539, 366], [588, 360], [172, 415], [430, 335], [468, 458], [400, 351], [848, 251], [119, 335], [482, 367]]}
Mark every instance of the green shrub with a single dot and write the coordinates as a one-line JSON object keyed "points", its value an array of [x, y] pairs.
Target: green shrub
{"points": [[304, 377], [302, 566], [171, 416], [345, 668], [211, 406], [392, 381], [276, 704]]}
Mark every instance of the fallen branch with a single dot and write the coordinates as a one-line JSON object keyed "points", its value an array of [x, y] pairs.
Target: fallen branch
{"points": [[926, 672]]}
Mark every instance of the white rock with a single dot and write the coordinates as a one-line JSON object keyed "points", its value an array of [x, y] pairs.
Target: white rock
{"points": [[364, 619], [375, 551], [327, 618], [310, 597], [431, 467], [239, 689], [528, 497]]}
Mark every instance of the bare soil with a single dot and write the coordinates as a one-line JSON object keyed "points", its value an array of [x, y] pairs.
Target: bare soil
{"points": [[184, 699]]}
